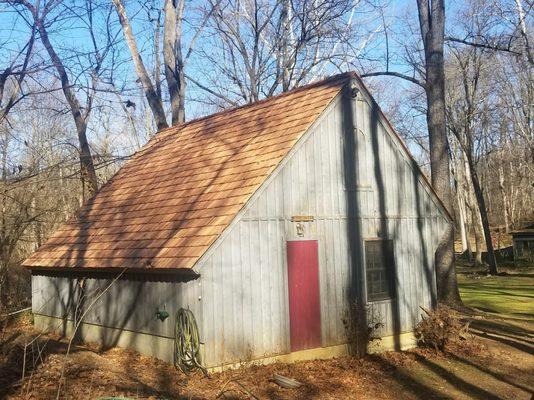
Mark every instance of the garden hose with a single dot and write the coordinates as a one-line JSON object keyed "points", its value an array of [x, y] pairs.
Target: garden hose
{"points": [[187, 343]]}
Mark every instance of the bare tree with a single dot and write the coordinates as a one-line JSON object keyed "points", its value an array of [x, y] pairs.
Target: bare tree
{"points": [[175, 57], [80, 117], [261, 48], [22, 207], [490, 111], [429, 74], [12, 76], [468, 120], [154, 100], [464, 205], [44, 17], [506, 28], [39, 186], [432, 25], [172, 54]]}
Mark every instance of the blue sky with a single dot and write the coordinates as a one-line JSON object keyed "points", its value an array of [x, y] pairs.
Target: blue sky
{"points": [[69, 34]]}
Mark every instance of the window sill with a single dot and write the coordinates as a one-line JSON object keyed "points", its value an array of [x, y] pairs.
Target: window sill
{"points": [[381, 301]]}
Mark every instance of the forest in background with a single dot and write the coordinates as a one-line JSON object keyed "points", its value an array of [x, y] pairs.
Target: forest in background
{"points": [[85, 83]]}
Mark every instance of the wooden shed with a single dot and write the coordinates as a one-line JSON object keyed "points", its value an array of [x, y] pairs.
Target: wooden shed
{"points": [[523, 244], [267, 221]]}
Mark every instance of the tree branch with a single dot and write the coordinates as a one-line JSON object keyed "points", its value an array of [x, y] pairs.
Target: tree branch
{"points": [[154, 101], [210, 91], [396, 74], [488, 46]]}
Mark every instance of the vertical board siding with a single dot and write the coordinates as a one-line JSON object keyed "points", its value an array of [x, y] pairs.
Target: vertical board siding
{"points": [[241, 298], [125, 305], [312, 182]]}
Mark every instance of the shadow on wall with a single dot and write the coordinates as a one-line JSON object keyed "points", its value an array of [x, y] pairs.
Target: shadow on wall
{"points": [[357, 288], [356, 292], [384, 228], [130, 303]]}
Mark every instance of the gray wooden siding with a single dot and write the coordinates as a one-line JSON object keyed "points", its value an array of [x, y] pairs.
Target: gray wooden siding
{"points": [[241, 298], [244, 289], [126, 304]]}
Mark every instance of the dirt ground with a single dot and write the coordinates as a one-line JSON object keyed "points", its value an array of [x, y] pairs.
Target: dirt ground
{"points": [[497, 364]]}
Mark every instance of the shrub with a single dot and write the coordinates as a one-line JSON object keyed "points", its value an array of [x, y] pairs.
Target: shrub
{"points": [[362, 326], [439, 328]]}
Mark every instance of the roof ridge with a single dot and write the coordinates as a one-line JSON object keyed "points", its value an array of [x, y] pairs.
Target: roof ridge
{"points": [[333, 78]]}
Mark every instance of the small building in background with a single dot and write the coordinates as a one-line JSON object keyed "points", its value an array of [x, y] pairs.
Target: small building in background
{"points": [[523, 243], [273, 223]]}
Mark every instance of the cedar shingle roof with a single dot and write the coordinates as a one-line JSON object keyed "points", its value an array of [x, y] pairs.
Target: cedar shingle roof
{"points": [[171, 201]]}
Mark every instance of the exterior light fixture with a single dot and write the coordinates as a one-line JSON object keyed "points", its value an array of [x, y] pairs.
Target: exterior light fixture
{"points": [[162, 315]]}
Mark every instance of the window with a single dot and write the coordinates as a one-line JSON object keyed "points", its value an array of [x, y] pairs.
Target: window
{"points": [[379, 266], [519, 248]]}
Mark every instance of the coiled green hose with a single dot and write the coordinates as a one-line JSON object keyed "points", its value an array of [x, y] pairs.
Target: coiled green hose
{"points": [[187, 343]]}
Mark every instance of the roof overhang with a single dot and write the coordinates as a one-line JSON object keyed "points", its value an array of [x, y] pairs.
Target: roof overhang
{"points": [[523, 234], [144, 274]]}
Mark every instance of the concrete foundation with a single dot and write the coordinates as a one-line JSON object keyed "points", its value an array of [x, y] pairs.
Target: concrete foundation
{"points": [[151, 345], [163, 347]]}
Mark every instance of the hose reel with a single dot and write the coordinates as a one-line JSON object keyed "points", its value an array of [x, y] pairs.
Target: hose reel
{"points": [[187, 343]]}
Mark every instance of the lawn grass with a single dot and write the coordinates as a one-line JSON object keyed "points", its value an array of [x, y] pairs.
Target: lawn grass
{"points": [[509, 295]]}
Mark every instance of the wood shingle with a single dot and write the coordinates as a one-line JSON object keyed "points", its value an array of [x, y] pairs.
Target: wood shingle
{"points": [[167, 205]]}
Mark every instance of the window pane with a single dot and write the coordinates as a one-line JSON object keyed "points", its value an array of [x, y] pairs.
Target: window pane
{"points": [[519, 245], [379, 264]]}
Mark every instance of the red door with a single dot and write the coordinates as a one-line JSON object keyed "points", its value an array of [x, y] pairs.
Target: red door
{"points": [[304, 302]]}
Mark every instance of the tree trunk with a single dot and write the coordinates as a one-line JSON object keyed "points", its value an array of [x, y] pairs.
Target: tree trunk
{"points": [[476, 222], [5, 106], [523, 30], [512, 196], [502, 188], [37, 229], [504, 198], [492, 262], [154, 101], [461, 223], [459, 185], [157, 62], [478, 234], [469, 246], [172, 56], [464, 231], [88, 174], [3, 221], [285, 45], [432, 25]]}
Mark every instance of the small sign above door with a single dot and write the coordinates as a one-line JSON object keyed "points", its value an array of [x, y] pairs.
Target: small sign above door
{"points": [[302, 218]]}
